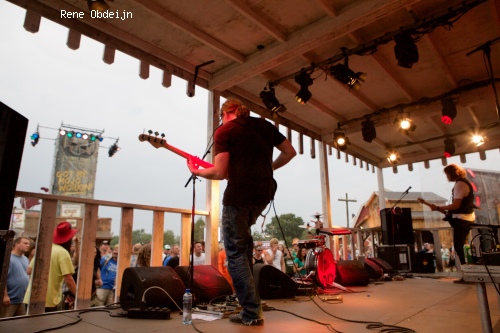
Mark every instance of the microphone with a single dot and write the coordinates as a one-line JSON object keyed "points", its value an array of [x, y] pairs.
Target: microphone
{"points": [[406, 192]]}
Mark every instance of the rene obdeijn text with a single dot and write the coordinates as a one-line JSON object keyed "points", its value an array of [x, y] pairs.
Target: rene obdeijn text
{"points": [[97, 14]]}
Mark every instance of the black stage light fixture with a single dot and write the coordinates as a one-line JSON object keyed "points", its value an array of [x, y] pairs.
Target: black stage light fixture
{"points": [[304, 80], [340, 139], [449, 147], [347, 76], [34, 138], [113, 149], [449, 110], [405, 50], [98, 5], [368, 130], [270, 101]]}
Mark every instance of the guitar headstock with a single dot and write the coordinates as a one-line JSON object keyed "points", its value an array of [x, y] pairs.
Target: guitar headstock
{"points": [[155, 140]]}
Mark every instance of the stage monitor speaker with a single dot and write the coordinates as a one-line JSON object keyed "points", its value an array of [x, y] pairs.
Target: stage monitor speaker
{"points": [[386, 267], [151, 284], [351, 273], [400, 257], [271, 283], [208, 283], [397, 226], [374, 270], [13, 127]]}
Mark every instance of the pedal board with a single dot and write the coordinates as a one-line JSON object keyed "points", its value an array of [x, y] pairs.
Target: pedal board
{"points": [[149, 313]]}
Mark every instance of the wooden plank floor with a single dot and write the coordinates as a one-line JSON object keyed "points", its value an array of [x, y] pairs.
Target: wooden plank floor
{"points": [[422, 304]]}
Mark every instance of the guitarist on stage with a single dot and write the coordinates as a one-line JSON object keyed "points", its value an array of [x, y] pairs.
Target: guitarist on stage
{"points": [[461, 210], [243, 149]]}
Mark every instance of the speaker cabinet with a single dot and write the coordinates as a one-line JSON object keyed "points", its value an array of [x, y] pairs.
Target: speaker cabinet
{"points": [[152, 284], [351, 273], [13, 128], [400, 257], [271, 283], [208, 283], [397, 226]]}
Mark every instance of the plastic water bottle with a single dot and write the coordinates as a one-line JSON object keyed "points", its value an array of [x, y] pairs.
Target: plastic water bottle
{"points": [[187, 304]]}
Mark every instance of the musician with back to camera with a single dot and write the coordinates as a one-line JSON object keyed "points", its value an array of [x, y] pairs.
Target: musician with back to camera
{"points": [[461, 210], [243, 149]]}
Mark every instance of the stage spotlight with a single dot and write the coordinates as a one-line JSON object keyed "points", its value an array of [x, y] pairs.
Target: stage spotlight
{"points": [[98, 5], [392, 156], [405, 123], [347, 76], [368, 130], [113, 149], [449, 147], [78, 135], [449, 110], [405, 50], [304, 80], [340, 139], [85, 136], [34, 138], [478, 140], [62, 132], [270, 101], [70, 134]]}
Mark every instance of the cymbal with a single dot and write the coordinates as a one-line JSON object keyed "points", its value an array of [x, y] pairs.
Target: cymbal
{"points": [[317, 215]]}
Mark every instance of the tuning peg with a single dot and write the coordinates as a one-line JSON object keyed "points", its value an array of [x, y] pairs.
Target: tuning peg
{"points": [[150, 132], [156, 133], [162, 135]]}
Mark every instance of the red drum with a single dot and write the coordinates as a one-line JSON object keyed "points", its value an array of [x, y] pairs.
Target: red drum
{"points": [[320, 260], [317, 241]]}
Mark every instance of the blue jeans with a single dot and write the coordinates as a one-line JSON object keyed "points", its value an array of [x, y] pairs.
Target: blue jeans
{"points": [[238, 242]]}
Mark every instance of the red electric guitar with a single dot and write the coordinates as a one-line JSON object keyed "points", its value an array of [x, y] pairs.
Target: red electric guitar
{"points": [[447, 216], [160, 142]]}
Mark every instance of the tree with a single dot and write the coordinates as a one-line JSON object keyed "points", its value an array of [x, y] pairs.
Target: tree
{"points": [[257, 236], [290, 226], [170, 238], [199, 230]]}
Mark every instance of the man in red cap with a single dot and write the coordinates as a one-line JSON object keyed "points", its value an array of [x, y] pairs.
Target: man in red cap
{"points": [[61, 267]]}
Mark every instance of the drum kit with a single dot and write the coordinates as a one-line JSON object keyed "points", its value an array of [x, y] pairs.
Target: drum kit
{"points": [[319, 261]]}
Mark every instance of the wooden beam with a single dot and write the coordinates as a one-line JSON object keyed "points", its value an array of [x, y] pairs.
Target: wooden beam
{"points": [[32, 21], [353, 17], [193, 31], [109, 55], [74, 38], [263, 22]]}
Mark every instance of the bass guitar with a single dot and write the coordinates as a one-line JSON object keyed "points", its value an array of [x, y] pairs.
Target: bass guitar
{"points": [[160, 142], [447, 216]]}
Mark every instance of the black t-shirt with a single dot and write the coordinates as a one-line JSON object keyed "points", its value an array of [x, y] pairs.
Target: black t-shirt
{"points": [[249, 142]]}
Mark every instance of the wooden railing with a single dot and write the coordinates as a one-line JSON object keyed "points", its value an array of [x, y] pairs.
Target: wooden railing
{"points": [[88, 231]]}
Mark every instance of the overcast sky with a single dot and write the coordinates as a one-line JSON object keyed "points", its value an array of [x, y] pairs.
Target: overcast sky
{"points": [[50, 84]]}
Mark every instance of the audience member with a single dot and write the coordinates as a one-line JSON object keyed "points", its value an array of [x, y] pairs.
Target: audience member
{"points": [[61, 267], [295, 245], [287, 257], [199, 256], [106, 292], [273, 256], [174, 256], [105, 249], [31, 250], [445, 256], [222, 264], [135, 252], [96, 278], [144, 256], [258, 257], [17, 280], [166, 252], [299, 267]]}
